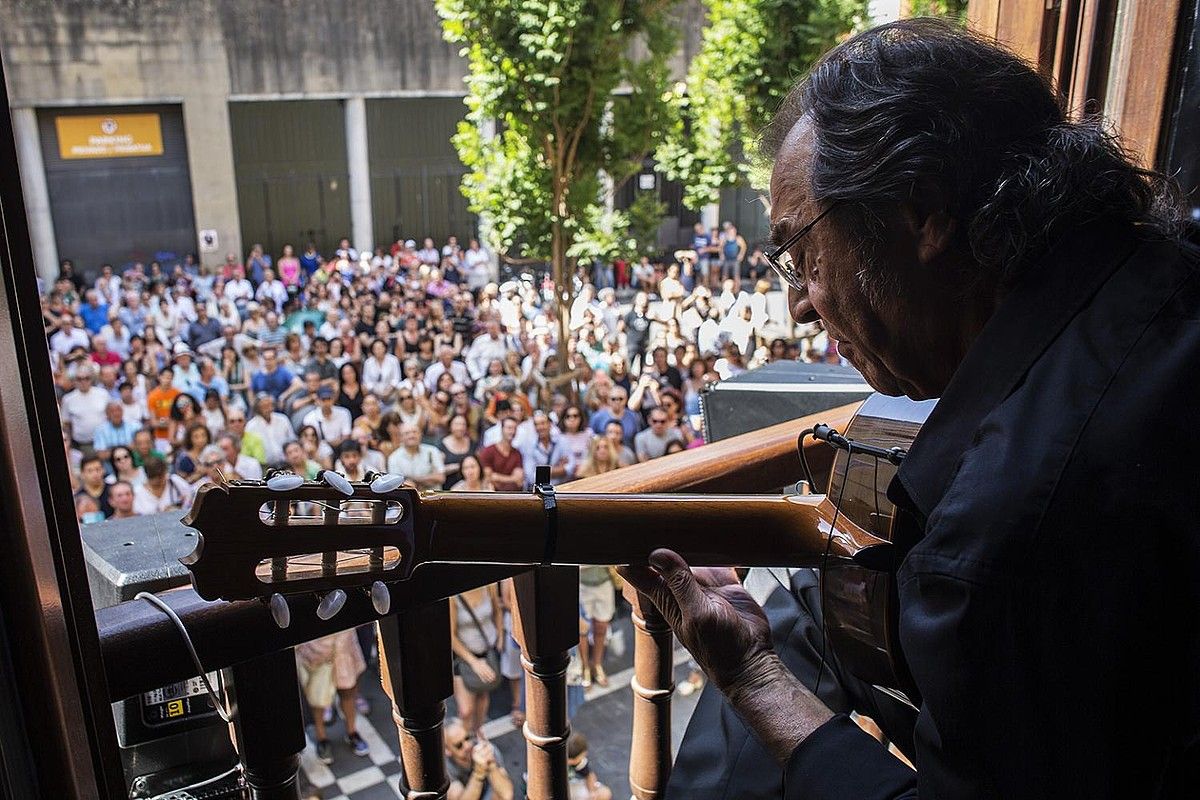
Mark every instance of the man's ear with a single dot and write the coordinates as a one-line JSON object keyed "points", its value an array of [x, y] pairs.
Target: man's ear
{"points": [[932, 229]]}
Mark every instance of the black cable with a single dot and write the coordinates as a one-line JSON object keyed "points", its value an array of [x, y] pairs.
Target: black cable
{"points": [[158, 603], [804, 434], [837, 508]]}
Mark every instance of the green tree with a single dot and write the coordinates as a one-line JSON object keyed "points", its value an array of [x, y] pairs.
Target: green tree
{"points": [[956, 9], [751, 54], [574, 88]]}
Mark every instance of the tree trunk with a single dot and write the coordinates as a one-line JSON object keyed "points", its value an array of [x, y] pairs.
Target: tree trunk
{"points": [[563, 281]]}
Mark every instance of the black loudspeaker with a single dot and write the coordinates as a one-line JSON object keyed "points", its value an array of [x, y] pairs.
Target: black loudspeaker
{"points": [[172, 737], [777, 393]]}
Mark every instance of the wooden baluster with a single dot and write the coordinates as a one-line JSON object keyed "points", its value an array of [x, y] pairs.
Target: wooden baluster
{"points": [[268, 725], [546, 625], [653, 684], [417, 674]]}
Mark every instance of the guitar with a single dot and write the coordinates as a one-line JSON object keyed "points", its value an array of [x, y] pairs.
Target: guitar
{"points": [[255, 541]]}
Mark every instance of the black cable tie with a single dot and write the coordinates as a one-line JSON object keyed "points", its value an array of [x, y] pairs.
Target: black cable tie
{"points": [[545, 490]]}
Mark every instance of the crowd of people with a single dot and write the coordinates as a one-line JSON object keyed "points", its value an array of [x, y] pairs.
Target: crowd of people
{"points": [[411, 360]]}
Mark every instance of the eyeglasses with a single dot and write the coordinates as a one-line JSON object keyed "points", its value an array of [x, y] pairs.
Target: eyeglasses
{"points": [[781, 260], [657, 421], [570, 414], [125, 457]]}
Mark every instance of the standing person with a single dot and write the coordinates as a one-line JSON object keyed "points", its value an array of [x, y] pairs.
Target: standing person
{"points": [[617, 410], [161, 491], [456, 445], [332, 422], [120, 497], [91, 474], [597, 598], [636, 327], [546, 448], [419, 462], [84, 408], [503, 465], [652, 442], [123, 469], [601, 458], [160, 401], [733, 252], [271, 428], [329, 668], [381, 372], [475, 622], [575, 436], [472, 479]]}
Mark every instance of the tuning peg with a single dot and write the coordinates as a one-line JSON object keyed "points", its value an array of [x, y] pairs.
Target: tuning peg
{"points": [[336, 480], [381, 597], [331, 604], [280, 611], [283, 481], [382, 484]]}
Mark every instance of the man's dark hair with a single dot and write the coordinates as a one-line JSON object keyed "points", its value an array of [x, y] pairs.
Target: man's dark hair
{"points": [[83, 462], [923, 107], [154, 466], [348, 446]]}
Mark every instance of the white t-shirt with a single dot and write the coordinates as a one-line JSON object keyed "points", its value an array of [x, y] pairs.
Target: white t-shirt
{"points": [[426, 461], [274, 434], [332, 429], [176, 495], [85, 411]]}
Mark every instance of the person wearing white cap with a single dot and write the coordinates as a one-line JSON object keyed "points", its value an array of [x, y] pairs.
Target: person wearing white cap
{"points": [[187, 374]]}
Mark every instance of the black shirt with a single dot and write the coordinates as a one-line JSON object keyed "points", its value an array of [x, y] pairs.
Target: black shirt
{"points": [[1049, 613], [637, 331]]}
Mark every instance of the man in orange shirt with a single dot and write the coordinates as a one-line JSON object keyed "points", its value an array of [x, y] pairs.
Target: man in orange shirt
{"points": [[159, 400]]}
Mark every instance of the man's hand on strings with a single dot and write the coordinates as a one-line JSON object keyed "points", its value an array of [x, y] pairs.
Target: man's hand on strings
{"points": [[727, 633], [710, 611]]}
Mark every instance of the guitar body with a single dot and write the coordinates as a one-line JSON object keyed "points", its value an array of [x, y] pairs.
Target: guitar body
{"points": [[860, 605]]}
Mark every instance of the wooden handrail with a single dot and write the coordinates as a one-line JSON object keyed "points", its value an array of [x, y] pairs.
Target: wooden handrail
{"points": [[141, 649]]}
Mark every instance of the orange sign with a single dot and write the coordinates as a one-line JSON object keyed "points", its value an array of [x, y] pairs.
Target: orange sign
{"points": [[108, 135]]}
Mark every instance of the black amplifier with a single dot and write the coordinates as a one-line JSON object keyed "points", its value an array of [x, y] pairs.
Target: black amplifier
{"points": [[777, 393], [171, 737]]}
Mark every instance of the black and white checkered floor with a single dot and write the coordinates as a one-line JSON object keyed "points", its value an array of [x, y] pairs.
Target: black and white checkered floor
{"points": [[605, 718]]}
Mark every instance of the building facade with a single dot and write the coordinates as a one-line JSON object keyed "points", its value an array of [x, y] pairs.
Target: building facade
{"points": [[150, 129]]}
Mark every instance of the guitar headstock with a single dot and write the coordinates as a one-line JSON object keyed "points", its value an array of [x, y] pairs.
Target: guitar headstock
{"points": [[258, 539]]}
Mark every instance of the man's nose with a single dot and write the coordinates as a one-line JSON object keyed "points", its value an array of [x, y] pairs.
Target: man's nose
{"points": [[800, 307]]}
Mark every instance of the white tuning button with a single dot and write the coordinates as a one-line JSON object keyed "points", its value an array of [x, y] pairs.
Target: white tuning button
{"points": [[337, 481], [331, 604], [381, 597], [382, 484], [280, 612], [284, 482]]}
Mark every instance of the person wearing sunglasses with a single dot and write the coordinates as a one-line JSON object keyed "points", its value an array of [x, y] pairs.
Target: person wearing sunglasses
{"points": [[961, 237], [474, 765]]}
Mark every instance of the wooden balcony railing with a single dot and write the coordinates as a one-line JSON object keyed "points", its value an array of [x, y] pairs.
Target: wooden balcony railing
{"points": [[141, 649]]}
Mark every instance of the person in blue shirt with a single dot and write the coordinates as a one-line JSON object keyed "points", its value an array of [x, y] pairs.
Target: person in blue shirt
{"points": [[619, 411], [274, 379], [114, 431], [94, 313]]}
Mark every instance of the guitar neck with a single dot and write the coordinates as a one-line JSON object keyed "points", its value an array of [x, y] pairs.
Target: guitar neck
{"points": [[509, 528]]}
